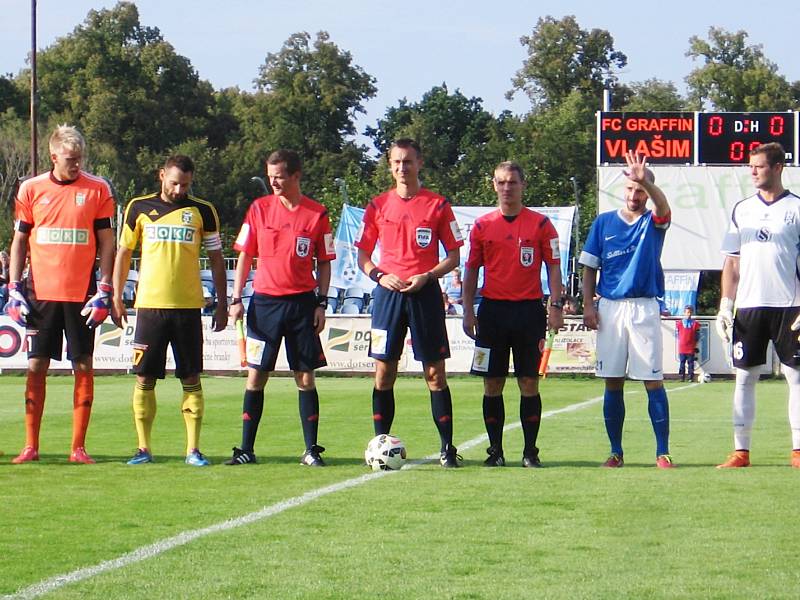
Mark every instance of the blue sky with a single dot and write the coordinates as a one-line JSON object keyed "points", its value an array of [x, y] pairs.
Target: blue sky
{"points": [[413, 45]]}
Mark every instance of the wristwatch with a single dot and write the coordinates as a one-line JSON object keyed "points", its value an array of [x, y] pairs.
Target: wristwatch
{"points": [[322, 301], [558, 305], [376, 274], [235, 301]]}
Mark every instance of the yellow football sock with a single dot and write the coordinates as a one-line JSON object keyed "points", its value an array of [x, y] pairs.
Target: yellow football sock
{"points": [[144, 412], [192, 407]]}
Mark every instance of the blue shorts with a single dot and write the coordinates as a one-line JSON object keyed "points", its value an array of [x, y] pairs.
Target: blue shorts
{"points": [[505, 325], [272, 318], [395, 312]]}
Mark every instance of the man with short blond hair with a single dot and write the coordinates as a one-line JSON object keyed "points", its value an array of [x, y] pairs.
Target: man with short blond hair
{"points": [[65, 218]]}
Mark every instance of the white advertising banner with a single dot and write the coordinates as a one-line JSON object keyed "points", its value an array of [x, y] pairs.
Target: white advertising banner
{"points": [[701, 199], [346, 343]]}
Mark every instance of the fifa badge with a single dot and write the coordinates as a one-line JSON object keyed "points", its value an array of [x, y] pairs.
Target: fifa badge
{"points": [[424, 236], [302, 246], [526, 256]]}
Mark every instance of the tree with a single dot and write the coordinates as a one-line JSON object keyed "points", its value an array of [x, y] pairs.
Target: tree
{"points": [[563, 58], [14, 165], [125, 87], [735, 76], [461, 142], [10, 96], [653, 95]]}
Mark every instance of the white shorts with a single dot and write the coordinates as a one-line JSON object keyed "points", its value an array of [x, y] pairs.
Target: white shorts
{"points": [[629, 339]]}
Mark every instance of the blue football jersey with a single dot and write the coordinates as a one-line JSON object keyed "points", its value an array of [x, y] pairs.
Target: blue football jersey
{"points": [[628, 255]]}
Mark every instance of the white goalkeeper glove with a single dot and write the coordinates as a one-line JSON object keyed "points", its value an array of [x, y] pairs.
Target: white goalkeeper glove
{"points": [[725, 320], [796, 326]]}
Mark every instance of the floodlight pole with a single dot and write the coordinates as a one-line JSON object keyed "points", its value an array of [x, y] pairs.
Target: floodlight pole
{"points": [[34, 141]]}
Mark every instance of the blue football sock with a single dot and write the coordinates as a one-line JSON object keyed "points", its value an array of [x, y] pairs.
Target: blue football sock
{"points": [[658, 407], [614, 415]]}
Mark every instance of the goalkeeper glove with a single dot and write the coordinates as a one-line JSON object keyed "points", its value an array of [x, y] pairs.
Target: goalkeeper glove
{"points": [[98, 306], [796, 325], [725, 320], [17, 306]]}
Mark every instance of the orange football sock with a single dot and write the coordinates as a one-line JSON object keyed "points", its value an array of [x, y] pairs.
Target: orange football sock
{"points": [[82, 398], [35, 391]]}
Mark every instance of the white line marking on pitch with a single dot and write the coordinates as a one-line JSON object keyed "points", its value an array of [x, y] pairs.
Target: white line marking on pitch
{"points": [[143, 553]]}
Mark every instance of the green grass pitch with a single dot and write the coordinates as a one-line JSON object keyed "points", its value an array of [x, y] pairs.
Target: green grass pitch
{"points": [[570, 530]]}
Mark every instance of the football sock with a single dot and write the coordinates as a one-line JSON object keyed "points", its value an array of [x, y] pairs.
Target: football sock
{"points": [[309, 415], [192, 407], [382, 410], [35, 390], [530, 415], [658, 408], [144, 412], [793, 379], [251, 417], [614, 415], [82, 398], [442, 411], [494, 417], [744, 407]]}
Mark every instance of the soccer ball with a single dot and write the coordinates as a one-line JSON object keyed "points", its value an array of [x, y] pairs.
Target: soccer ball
{"points": [[385, 453], [704, 377]]}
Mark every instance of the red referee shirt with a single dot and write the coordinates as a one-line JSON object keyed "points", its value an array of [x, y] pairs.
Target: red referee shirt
{"points": [[409, 231], [286, 242], [512, 253]]}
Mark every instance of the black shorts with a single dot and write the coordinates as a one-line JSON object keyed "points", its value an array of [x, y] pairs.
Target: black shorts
{"points": [[422, 312], [504, 325], [272, 318], [50, 321], [753, 328], [158, 327]]}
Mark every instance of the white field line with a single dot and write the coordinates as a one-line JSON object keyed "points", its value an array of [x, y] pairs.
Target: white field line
{"points": [[144, 552]]}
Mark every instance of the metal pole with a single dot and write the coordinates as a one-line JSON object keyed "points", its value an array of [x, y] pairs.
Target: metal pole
{"points": [[34, 142], [574, 288]]}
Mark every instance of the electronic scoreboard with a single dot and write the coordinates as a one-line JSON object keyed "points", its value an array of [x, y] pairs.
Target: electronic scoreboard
{"points": [[694, 138]]}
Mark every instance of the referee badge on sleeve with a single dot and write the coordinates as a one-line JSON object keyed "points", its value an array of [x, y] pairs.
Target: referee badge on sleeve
{"points": [[480, 359], [526, 256]]}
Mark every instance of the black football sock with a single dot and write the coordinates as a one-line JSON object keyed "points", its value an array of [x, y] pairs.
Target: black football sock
{"points": [[442, 411], [251, 417], [494, 416], [382, 410], [309, 415], [530, 414]]}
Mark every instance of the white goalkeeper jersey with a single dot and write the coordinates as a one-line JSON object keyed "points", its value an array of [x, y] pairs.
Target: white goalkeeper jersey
{"points": [[766, 238]]}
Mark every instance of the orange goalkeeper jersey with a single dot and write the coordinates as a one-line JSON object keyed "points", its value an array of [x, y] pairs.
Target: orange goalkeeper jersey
{"points": [[61, 219]]}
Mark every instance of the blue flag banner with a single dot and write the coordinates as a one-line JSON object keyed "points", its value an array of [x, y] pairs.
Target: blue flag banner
{"points": [[680, 290], [346, 274]]}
